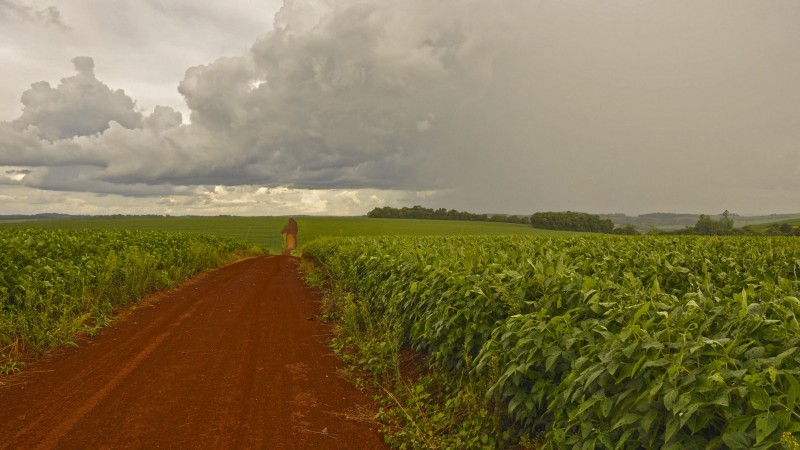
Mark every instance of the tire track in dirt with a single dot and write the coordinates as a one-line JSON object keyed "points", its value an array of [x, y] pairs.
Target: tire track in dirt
{"points": [[227, 360], [62, 428]]}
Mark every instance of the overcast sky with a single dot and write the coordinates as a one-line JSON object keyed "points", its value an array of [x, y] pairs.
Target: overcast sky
{"points": [[338, 106]]}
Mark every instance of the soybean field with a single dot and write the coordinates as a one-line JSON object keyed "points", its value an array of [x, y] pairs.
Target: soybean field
{"points": [[591, 342]]}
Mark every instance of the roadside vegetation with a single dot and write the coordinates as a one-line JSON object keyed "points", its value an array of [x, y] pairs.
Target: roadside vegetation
{"points": [[55, 284], [677, 342]]}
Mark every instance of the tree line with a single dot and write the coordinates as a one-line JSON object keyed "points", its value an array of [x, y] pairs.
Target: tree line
{"points": [[418, 212], [708, 226], [581, 222], [705, 226], [565, 221], [571, 221]]}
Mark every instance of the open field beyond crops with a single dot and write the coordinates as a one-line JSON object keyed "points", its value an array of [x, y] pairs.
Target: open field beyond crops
{"points": [[266, 231]]}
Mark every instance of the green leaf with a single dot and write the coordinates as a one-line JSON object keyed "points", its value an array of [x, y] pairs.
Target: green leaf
{"points": [[669, 399], [721, 399], [786, 353], [765, 426], [550, 361], [647, 420], [737, 440], [605, 439], [586, 430], [792, 389], [585, 405], [672, 428], [783, 418], [759, 399], [627, 419], [605, 407], [623, 439], [628, 351], [673, 446], [625, 334], [739, 423], [715, 443], [641, 311]]}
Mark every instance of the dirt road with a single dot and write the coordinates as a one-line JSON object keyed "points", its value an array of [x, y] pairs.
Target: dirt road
{"points": [[234, 358]]}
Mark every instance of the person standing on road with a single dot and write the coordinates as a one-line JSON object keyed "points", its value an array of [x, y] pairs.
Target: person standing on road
{"points": [[289, 236]]}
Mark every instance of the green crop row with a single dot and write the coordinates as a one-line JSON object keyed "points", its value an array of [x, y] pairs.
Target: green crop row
{"points": [[599, 342], [54, 284]]}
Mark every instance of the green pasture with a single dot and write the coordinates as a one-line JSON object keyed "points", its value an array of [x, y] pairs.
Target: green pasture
{"points": [[763, 226], [266, 231]]}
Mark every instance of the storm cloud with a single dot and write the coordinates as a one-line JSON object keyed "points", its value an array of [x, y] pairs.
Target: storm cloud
{"points": [[502, 106]]}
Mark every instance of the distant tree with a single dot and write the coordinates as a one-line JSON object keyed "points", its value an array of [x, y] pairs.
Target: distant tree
{"points": [[773, 230], [508, 218], [706, 226], [627, 230], [726, 223], [571, 221]]}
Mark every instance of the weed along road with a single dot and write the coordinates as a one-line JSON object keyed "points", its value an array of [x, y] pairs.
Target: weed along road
{"points": [[235, 358]]}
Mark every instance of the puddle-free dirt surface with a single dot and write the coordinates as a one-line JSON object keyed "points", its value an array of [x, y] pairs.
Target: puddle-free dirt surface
{"points": [[235, 358]]}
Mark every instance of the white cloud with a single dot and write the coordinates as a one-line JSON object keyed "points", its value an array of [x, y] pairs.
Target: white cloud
{"points": [[199, 200], [80, 106]]}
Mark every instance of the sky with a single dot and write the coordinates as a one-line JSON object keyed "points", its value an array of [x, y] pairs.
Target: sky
{"points": [[335, 107]]}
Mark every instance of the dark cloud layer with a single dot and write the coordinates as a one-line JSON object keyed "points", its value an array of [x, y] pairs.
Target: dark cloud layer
{"points": [[496, 106]]}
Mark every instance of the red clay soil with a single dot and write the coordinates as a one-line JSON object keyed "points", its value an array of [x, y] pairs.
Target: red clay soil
{"points": [[235, 358]]}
